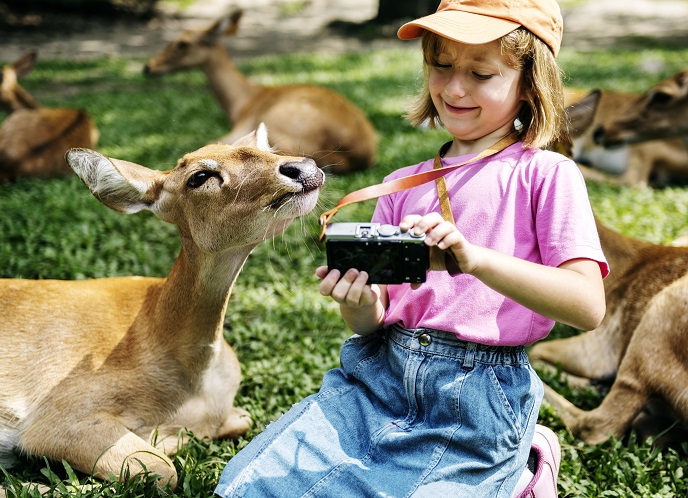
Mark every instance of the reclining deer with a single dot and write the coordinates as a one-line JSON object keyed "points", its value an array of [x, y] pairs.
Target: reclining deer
{"points": [[104, 373], [34, 139], [658, 163], [661, 112], [305, 120], [642, 342]]}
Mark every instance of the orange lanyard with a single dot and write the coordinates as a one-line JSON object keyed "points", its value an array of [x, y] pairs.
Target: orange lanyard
{"points": [[406, 182]]}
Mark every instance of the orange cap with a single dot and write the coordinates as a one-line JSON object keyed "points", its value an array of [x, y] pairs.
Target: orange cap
{"points": [[482, 21]]}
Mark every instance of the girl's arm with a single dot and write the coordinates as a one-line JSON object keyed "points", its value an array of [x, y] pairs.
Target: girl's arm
{"points": [[571, 293], [362, 306]]}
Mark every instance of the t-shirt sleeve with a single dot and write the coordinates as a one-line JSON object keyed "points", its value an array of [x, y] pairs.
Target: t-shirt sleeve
{"points": [[566, 225]]}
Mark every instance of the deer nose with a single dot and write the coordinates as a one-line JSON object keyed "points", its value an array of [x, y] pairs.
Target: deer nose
{"points": [[304, 172]]}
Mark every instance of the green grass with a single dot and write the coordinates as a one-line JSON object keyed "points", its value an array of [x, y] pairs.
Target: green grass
{"points": [[284, 332]]}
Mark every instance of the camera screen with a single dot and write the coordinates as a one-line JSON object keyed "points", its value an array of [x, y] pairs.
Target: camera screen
{"points": [[385, 263]]}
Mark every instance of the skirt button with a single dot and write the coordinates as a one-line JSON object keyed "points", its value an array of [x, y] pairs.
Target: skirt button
{"points": [[424, 339]]}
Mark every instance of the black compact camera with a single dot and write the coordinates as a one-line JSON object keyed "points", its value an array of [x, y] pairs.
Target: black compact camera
{"points": [[387, 254]]}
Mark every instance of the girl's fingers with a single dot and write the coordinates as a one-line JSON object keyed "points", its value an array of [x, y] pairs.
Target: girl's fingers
{"points": [[409, 222], [439, 233], [329, 280], [321, 271], [350, 287]]}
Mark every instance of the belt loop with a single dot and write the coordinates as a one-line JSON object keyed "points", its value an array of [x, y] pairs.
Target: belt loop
{"points": [[468, 360]]}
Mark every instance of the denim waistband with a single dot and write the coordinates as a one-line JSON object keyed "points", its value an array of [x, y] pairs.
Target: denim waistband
{"points": [[439, 342]]}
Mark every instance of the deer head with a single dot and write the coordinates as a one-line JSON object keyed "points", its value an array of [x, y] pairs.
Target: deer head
{"points": [[661, 112], [193, 48], [219, 196]]}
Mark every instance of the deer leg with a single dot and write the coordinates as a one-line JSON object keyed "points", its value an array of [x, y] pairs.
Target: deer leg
{"points": [[613, 417], [169, 438], [589, 356], [639, 168], [100, 445], [236, 424]]}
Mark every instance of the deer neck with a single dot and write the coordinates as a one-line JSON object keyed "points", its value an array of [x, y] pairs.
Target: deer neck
{"points": [[621, 252], [192, 302], [17, 99], [231, 88]]}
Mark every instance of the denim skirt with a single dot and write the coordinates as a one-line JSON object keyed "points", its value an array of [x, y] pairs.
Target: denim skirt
{"points": [[409, 413]]}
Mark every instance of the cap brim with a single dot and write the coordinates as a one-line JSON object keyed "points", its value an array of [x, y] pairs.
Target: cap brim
{"points": [[464, 27]]}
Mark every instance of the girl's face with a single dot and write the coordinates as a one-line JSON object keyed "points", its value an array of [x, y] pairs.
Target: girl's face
{"points": [[476, 93]]}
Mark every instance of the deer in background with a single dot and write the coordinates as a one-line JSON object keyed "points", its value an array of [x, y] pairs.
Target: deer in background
{"points": [[34, 139], [658, 163], [12, 96], [105, 373], [641, 344], [660, 112], [305, 120]]}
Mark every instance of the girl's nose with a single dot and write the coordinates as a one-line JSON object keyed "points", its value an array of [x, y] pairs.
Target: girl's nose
{"points": [[456, 85]]}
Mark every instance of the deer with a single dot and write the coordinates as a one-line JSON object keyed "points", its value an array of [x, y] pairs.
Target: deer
{"points": [[108, 373], [656, 163], [303, 119], [34, 139], [641, 344], [12, 96], [658, 113]]}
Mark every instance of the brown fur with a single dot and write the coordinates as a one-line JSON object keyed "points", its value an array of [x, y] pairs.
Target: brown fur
{"points": [[306, 120], [34, 139], [105, 373], [657, 163], [642, 343], [659, 113]]}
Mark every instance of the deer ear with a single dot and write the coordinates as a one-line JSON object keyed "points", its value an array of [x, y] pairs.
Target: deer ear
{"points": [[233, 26], [682, 81], [226, 25], [25, 63], [257, 139], [120, 185], [581, 114], [215, 32]]}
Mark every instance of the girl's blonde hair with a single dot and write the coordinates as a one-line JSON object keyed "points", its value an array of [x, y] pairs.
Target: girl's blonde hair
{"points": [[542, 117]]}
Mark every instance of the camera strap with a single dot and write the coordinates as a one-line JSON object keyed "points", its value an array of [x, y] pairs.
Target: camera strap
{"points": [[407, 182]]}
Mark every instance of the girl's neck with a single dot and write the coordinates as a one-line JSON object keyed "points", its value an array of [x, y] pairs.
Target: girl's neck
{"points": [[465, 147]]}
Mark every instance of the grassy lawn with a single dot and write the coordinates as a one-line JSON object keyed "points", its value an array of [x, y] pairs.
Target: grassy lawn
{"points": [[284, 332]]}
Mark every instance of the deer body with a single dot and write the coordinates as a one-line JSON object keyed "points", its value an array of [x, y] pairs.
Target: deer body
{"points": [[104, 373], [659, 162], [34, 139], [304, 119], [659, 113], [642, 342]]}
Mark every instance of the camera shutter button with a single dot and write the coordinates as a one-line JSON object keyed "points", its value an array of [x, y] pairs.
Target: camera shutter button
{"points": [[387, 230]]}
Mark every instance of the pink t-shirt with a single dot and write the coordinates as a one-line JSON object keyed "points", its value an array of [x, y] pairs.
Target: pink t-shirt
{"points": [[529, 203]]}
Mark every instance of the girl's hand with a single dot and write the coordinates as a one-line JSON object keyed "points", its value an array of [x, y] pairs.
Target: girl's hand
{"points": [[362, 305], [349, 289], [443, 235]]}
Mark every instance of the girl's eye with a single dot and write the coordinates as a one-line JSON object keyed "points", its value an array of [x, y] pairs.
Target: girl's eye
{"points": [[481, 77], [198, 179], [440, 65]]}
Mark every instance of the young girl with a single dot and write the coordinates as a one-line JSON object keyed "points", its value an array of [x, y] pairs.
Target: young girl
{"points": [[435, 395]]}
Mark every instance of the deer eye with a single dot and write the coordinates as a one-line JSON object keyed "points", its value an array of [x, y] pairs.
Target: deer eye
{"points": [[198, 179], [659, 98], [182, 45]]}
